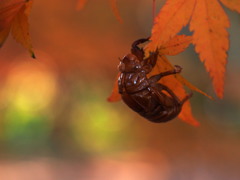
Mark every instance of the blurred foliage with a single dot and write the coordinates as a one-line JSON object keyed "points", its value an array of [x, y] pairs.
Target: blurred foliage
{"points": [[55, 107]]}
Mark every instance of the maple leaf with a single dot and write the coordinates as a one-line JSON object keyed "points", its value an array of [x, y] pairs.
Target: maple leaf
{"points": [[211, 39], [115, 96], [232, 4], [8, 10], [14, 18], [177, 87], [175, 45], [208, 22], [20, 27], [173, 16], [176, 82]]}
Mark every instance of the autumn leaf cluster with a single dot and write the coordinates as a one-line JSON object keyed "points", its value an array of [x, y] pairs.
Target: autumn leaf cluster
{"points": [[206, 19], [175, 82], [208, 22]]}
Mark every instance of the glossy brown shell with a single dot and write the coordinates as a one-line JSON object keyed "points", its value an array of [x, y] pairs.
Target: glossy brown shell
{"points": [[144, 95]]}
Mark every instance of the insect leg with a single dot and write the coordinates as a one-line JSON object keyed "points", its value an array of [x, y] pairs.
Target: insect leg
{"points": [[138, 51], [151, 60], [186, 98], [170, 92], [139, 41], [156, 78]]}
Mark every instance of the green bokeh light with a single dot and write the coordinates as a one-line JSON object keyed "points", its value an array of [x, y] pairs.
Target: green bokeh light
{"points": [[26, 133], [98, 127]]}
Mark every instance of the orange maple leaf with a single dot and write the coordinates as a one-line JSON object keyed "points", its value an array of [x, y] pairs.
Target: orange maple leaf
{"points": [[173, 47], [208, 22], [211, 39], [115, 96], [175, 82], [232, 4], [14, 18], [177, 87], [173, 16], [8, 10]]}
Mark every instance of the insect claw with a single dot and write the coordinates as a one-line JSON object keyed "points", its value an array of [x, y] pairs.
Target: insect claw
{"points": [[187, 97], [177, 69]]}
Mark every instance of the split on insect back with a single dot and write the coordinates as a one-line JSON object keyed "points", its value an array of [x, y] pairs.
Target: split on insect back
{"points": [[173, 82]]}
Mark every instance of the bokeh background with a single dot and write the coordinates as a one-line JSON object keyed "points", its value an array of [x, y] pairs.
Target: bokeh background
{"points": [[55, 122]]}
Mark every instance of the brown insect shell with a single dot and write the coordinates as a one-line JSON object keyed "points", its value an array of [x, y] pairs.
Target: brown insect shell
{"points": [[133, 76], [129, 63], [145, 95]]}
